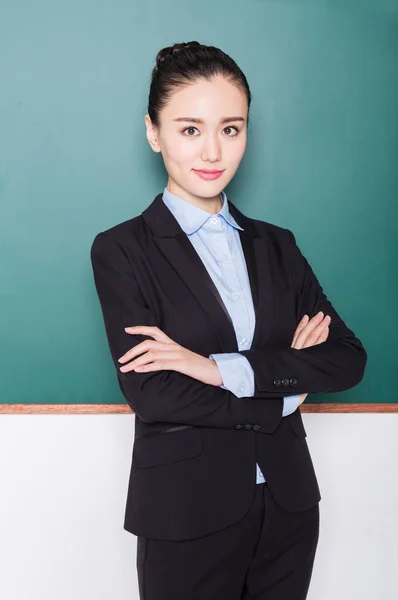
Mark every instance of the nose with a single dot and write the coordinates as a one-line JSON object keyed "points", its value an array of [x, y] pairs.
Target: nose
{"points": [[211, 150]]}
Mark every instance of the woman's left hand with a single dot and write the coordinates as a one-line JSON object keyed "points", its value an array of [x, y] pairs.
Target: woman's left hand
{"points": [[163, 353]]}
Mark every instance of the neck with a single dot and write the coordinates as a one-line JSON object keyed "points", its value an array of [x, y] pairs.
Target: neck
{"points": [[211, 205]]}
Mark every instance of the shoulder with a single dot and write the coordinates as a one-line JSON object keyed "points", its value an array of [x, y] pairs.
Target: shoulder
{"points": [[126, 234], [280, 241], [274, 233], [282, 248]]}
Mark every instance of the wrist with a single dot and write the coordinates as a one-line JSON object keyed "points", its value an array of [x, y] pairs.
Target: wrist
{"points": [[217, 375]]}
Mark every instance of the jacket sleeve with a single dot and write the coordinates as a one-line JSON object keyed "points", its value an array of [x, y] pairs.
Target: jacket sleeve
{"points": [[332, 366], [163, 395]]}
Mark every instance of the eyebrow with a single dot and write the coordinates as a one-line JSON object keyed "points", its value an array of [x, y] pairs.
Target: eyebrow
{"points": [[196, 120]]}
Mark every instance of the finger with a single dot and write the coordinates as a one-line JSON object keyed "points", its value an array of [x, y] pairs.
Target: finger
{"points": [[144, 346], [302, 397], [152, 366], [300, 326], [138, 363], [308, 336], [150, 357], [158, 365], [314, 335], [323, 336], [313, 339], [303, 323], [308, 329], [154, 332]]}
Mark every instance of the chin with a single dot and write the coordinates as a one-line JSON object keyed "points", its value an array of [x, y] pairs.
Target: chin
{"points": [[208, 192]]}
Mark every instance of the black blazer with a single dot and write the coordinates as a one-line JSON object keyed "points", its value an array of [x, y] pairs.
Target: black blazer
{"points": [[196, 445]]}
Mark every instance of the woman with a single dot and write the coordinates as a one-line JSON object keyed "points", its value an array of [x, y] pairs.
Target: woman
{"points": [[218, 329]]}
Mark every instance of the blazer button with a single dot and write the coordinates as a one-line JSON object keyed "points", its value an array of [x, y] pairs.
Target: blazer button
{"points": [[248, 426], [293, 381], [238, 426], [256, 427], [277, 382], [285, 381]]}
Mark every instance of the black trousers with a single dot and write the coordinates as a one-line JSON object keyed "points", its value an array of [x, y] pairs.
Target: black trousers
{"points": [[267, 555]]}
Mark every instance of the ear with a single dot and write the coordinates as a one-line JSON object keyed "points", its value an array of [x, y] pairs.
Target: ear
{"points": [[152, 134]]}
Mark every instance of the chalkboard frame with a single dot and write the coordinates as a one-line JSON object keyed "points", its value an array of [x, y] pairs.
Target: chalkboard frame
{"points": [[110, 409]]}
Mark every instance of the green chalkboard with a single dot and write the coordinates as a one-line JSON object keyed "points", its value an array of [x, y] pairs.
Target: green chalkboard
{"points": [[74, 160]]}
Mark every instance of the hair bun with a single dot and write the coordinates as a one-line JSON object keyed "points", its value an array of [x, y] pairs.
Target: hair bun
{"points": [[170, 50]]}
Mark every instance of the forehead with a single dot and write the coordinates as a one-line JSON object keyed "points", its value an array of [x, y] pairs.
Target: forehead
{"points": [[207, 99]]}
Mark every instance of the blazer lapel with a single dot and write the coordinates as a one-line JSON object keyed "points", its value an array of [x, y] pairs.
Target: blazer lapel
{"points": [[255, 249], [183, 257], [181, 254], [264, 307]]}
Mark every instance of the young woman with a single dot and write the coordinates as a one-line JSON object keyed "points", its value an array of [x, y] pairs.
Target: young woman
{"points": [[218, 329]]}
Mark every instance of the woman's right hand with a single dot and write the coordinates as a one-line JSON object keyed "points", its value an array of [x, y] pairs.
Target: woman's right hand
{"points": [[309, 333]]}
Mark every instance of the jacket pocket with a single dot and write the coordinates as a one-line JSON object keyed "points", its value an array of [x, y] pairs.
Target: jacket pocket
{"points": [[297, 424], [167, 447]]}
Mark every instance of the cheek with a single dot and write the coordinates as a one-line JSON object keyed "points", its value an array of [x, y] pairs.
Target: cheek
{"points": [[241, 147], [233, 153], [181, 151]]}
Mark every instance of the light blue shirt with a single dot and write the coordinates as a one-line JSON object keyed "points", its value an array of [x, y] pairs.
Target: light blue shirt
{"points": [[216, 240]]}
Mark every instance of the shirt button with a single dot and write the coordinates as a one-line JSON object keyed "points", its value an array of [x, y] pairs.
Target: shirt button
{"points": [[241, 387], [213, 220]]}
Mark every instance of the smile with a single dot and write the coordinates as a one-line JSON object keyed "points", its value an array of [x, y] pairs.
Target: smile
{"points": [[209, 175]]}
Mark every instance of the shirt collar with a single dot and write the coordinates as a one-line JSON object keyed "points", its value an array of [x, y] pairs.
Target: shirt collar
{"points": [[191, 217]]}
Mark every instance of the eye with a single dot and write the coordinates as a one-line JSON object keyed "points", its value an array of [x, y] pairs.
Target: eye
{"points": [[187, 129], [230, 127]]}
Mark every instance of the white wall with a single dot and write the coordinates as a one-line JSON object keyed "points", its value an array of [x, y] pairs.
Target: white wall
{"points": [[63, 488]]}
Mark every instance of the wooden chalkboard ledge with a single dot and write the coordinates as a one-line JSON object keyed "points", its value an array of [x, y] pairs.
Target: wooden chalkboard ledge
{"points": [[109, 409]]}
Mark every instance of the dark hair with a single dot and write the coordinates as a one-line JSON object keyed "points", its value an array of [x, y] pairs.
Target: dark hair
{"points": [[182, 63]]}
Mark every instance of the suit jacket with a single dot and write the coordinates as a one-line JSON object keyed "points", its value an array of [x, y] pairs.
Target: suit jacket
{"points": [[196, 445]]}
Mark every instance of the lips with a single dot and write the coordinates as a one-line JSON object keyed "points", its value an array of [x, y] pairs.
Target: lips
{"points": [[208, 175], [208, 171]]}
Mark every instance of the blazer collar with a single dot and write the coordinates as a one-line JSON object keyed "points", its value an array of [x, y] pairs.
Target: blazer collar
{"points": [[174, 244], [163, 223]]}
